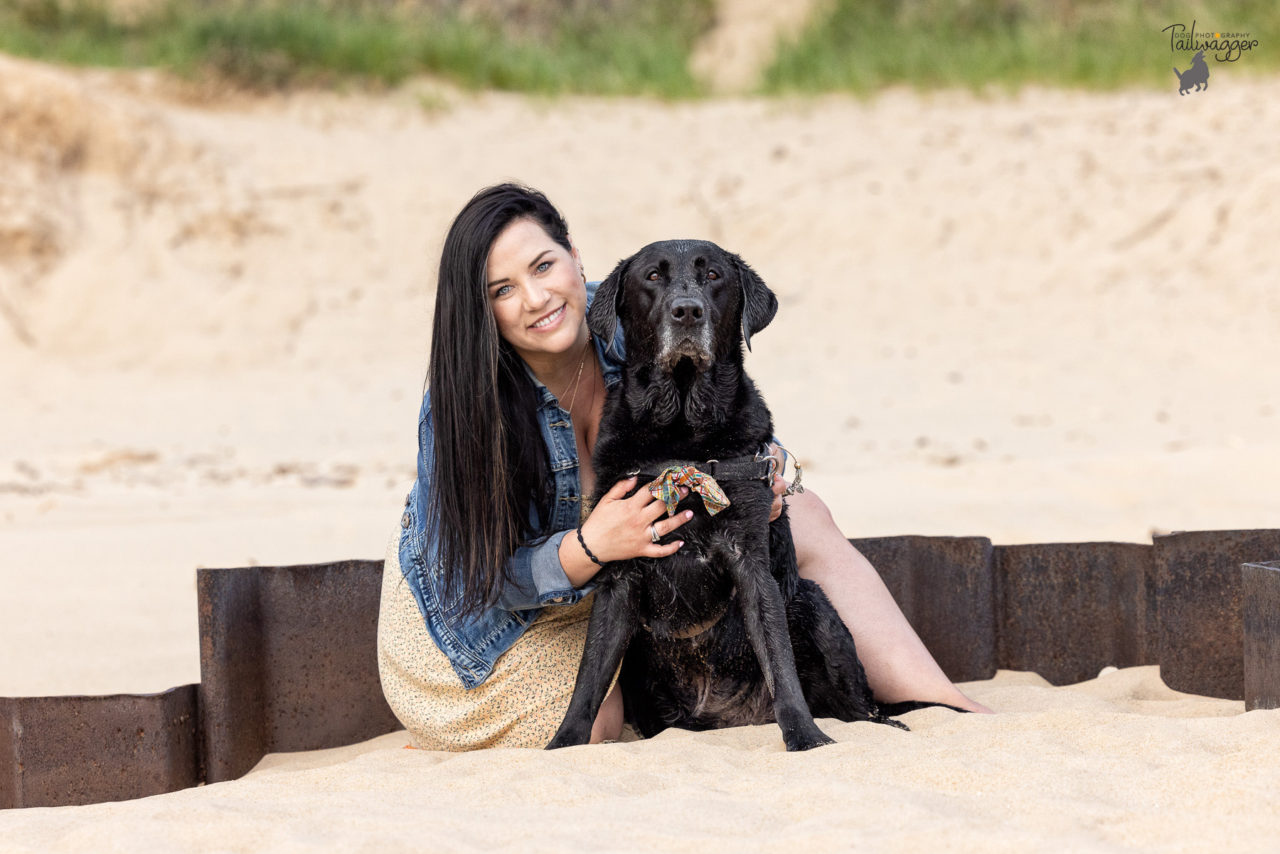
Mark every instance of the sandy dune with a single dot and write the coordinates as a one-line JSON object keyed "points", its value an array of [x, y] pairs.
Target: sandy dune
{"points": [[1039, 318]]}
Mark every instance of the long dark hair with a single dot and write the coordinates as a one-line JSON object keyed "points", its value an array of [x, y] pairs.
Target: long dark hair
{"points": [[491, 464]]}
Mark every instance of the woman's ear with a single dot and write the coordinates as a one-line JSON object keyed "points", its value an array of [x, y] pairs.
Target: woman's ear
{"points": [[759, 305], [602, 317], [577, 258]]}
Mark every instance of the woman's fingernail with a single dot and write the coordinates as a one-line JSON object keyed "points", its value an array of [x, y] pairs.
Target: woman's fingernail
{"points": [[688, 514]]}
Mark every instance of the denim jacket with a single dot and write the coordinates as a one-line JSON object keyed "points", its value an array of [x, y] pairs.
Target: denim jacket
{"points": [[473, 642]]}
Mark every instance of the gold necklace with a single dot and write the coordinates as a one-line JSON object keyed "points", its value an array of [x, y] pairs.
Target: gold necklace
{"points": [[577, 381], [592, 402]]}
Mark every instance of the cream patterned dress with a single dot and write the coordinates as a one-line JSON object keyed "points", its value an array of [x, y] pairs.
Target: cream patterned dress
{"points": [[522, 702]]}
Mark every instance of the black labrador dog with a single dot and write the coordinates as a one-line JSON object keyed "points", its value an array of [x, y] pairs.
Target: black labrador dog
{"points": [[724, 632]]}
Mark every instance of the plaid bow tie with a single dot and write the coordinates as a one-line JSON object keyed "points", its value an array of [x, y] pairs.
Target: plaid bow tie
{"points": [[665, 488]]}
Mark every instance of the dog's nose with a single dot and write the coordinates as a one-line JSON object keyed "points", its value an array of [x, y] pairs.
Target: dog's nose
{"points": [[686, 311]]}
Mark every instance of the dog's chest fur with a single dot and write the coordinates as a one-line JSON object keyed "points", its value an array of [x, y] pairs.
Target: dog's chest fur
{"points": [[693, 646], [693, 642], [691, 587]]}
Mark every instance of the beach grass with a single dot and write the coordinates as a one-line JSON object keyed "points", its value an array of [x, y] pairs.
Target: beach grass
{"points": [[865, 45], [627, 47], [633, 47]]}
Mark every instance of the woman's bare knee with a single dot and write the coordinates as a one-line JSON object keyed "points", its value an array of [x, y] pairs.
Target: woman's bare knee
{"points": [[608, 723], [822, 551], [809, 508]]}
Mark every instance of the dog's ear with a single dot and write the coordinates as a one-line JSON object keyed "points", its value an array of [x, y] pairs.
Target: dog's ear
{"points": [[759, 305], [602, 317]]}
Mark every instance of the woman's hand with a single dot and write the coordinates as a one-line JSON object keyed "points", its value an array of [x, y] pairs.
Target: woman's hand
{"points": [[618, 529], [620, 525]]}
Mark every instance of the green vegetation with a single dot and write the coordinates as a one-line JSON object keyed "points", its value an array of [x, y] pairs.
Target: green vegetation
{"points": [[865, 45], [623, 47], [616, 47]]}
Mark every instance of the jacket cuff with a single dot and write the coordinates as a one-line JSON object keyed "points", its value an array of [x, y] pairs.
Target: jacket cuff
{"points": [[540, 579], [549, 578]]}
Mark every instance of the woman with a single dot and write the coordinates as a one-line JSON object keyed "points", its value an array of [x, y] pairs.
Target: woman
{"points": [[483, 616]]}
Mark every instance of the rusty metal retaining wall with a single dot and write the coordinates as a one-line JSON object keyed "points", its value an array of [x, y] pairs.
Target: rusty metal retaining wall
{"points": [[1066, 611], [288, 654], [1261, 635], [288, 661], [944, 586], [84, 750], [1200, 595]]}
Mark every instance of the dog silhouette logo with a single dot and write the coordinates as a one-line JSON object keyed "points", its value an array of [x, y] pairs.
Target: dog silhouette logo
{"points": [[1194, 78]]}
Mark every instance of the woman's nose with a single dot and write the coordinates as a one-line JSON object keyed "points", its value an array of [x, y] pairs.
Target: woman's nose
{"points": [[535, 295]]}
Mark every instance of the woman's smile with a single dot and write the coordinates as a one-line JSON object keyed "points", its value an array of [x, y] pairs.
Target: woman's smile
{"points": [[549, 321]]}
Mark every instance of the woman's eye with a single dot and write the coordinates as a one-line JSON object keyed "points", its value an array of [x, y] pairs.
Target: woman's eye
{"points": [[653, 276], [544, 267], [501, 291], [713, 274]]}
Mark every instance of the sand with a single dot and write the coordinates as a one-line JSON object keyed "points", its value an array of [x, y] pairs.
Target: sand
{"points": [[1119, 763], [1039, 317]]}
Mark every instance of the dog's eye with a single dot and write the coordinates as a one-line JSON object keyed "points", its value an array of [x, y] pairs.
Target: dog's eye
{"points": [[653, 276], [713, 274]]}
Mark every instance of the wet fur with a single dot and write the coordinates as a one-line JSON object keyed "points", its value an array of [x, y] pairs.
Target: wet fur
{"points": [[779, 652]]}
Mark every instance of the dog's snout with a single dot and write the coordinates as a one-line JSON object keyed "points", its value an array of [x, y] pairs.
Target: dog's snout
{"points": [[687, 311]]}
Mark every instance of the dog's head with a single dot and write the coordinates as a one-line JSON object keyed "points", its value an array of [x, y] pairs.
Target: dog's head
{"points": [[682, 299]]}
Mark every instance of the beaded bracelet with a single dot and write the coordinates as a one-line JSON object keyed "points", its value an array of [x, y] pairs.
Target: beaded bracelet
{"points": [[583, 543]]}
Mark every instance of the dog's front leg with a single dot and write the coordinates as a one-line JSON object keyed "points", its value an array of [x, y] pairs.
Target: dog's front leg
{"points": [[609, 631], [766, 621]]}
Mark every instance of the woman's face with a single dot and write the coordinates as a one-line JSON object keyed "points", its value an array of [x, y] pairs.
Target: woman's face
{"points": [[537, 292]]}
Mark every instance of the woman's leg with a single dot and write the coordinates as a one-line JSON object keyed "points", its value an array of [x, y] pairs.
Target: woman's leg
{"points": [[898, 665], [608, 723]]}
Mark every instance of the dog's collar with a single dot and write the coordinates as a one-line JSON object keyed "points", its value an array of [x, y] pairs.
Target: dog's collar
{"points": [[757, 466]]}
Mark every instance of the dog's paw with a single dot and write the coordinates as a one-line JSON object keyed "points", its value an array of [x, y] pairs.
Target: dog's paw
{"points": [[807, 739], [567, 738]]}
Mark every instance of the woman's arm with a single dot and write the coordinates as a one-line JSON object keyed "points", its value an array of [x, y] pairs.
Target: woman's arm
{"points": [[618, 529], [531, 578], [554, 571]]}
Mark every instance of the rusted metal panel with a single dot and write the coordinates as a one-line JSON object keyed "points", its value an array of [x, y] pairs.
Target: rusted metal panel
{"points": [[1068, 610], [10, 769], [288, 661], [1261, 583], [1200, 593], [64, 751], [233, 734], [944, 586]]}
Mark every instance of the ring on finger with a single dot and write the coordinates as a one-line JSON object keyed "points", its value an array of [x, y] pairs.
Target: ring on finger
{"points": [[653, 533]]}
